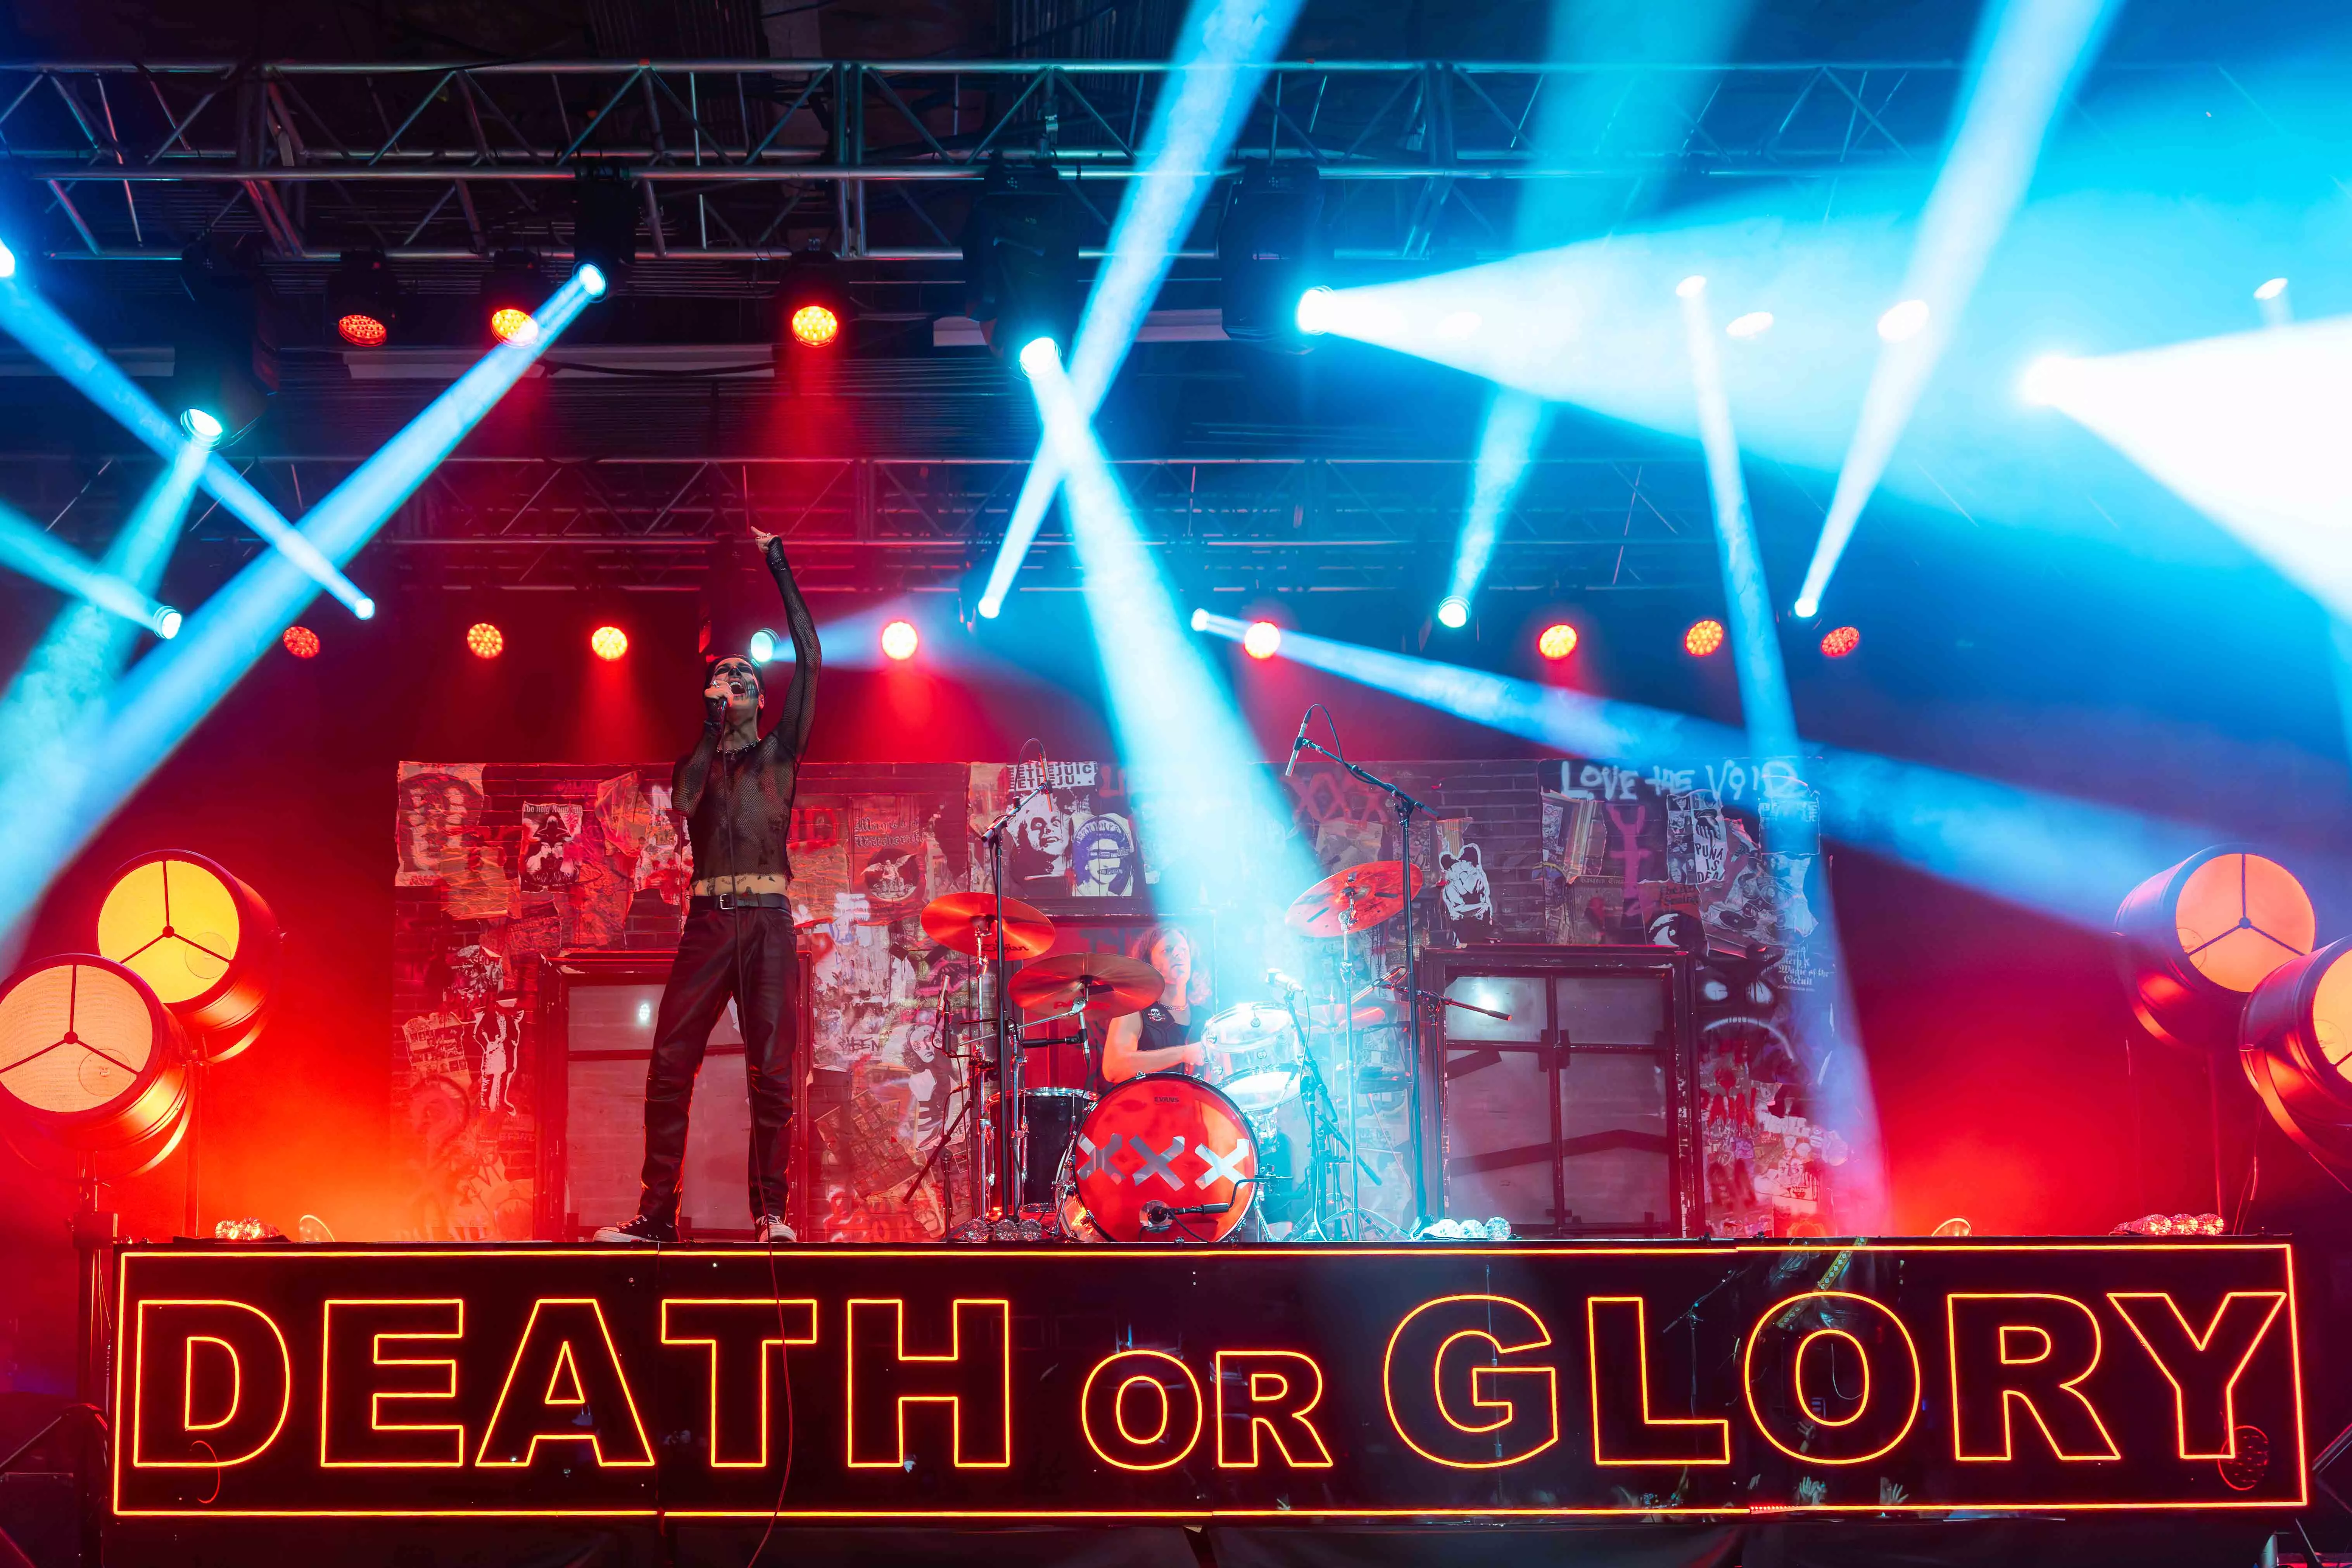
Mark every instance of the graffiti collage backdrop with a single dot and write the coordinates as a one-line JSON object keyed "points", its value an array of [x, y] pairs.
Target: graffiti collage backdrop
{"points": [[498, 868]]}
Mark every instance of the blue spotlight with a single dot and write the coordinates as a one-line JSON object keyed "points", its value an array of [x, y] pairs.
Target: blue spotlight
{"points": [[1515, 426], [202, 428], [1454, 612], [1755, 644], [763, 645], [1200, 620], [152, 710], [60, 345], [1754, 325], [2028, 51], [1314, 315], [2272, 290], [25, 546], [1220, 56], [1038, 355], [592, 279], [167, 622], [2247, 429], [7, 262], [1189, 757]]}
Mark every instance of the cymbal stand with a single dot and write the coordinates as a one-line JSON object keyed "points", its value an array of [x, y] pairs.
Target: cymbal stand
{"points": [[1405, 806], [1347, 1000], [1326, 1147], [1012, 1128]]}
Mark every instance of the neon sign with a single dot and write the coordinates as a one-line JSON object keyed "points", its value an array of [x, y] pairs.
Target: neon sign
{"points": [[1676, 1378]]}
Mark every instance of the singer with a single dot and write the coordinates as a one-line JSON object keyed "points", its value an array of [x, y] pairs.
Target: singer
{"points": [[735, 790]]}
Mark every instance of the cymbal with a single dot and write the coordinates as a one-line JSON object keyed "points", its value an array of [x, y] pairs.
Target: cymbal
{"points": [[1354, 900], [1110, 986], [962, 921]]}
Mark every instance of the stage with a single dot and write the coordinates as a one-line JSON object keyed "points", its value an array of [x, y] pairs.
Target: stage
{"points": [[1662, 1402]]}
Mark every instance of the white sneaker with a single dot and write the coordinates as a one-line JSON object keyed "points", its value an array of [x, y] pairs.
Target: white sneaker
{"points": [[769, 1229]]}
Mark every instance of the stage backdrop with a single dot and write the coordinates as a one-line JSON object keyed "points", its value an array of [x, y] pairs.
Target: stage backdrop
{"points": [[498, 867]]}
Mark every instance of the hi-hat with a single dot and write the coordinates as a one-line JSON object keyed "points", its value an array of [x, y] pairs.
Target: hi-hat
{"points": [[1354, 900], [1110, 986], [962, 921]]}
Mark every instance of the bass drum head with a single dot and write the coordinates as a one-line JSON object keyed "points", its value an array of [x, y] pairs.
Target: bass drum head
{"points": [[1164, 1139]]}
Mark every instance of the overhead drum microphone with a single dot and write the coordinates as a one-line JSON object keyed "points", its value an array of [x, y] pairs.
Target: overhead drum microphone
{"points": [[1300, 744]]}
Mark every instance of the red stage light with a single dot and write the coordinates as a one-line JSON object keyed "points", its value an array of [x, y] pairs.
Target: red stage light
{"points": [[1841, 641], [815, 326], [1556, 641], [1703, 638], [1262, 640], [510, 325], [362, 330], [900, 641], [608, 642], [301, 642], [484, 640]]}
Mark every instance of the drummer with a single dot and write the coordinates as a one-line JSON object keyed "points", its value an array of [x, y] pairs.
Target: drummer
{"points": [[1166, 1036]]}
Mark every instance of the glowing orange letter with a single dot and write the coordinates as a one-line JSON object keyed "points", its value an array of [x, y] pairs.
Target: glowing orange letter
{"points": [[565, 1385], [2030, 1351], [2203, 1369], [1121, 1388], [211, 1384], [1451, 1395], [737, 1334], [974, 1381], [1624, 1430], [1790, 1371], [1276, 1390], [354, 1387]]}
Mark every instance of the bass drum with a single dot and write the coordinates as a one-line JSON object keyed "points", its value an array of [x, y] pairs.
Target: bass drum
{"points": [[1160, 1141]]}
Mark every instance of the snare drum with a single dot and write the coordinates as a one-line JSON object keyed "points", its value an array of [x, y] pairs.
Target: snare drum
{"points": [[1254, 1056], [1155, 1144]]}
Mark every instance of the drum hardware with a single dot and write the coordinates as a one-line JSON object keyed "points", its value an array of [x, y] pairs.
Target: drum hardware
{"points": [[1169, 1128], [1159, 1216], [1408, 884], [1008, 1060]]}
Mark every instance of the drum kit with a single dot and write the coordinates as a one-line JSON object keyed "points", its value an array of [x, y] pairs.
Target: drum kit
{"points": [[1171, 1156]]}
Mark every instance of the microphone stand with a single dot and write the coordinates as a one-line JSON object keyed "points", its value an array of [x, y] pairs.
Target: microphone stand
{"points": [[1009, 1129], [1405, 806]]}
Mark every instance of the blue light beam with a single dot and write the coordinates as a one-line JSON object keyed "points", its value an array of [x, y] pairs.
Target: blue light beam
{"points": [[1515, 426], [2029, 52], [169, 692], [1187, 751], [47, 559], [56, 343], [1220, 59], [1755, 641]]}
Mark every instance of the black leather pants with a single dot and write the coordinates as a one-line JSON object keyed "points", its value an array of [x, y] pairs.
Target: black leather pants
{"points": [[718, 946]]}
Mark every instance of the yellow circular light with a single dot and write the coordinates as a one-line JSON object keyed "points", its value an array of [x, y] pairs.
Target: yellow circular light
{"points": [[174, 924], [815, 326], [899, 640], [2240, 916], [484, 640], [1262, 640], [1839, 641], [301, 642], [608, 642], [1556, 641], [73, 1036], [362, 330], [510, 325], [1703, 638]]}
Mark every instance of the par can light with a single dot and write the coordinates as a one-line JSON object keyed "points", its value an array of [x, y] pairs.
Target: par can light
{"points": [[1703, 638], [899, 640], [1556, 641], [90, 1059], [1839, 641], [2195, 938], [608, 643], [301, 642], [2294, 1043], [484, 640], [1262, 640], [205, 942]]}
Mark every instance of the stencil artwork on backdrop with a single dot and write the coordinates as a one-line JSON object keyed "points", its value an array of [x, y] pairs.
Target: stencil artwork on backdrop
{"points": [[498, 868]]}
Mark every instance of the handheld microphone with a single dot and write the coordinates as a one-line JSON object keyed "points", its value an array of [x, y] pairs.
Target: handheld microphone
{"points": [[1300, 744]]}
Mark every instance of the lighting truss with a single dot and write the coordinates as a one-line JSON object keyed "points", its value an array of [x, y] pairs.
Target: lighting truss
{"points": [[430, 161], [919, 523]]}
